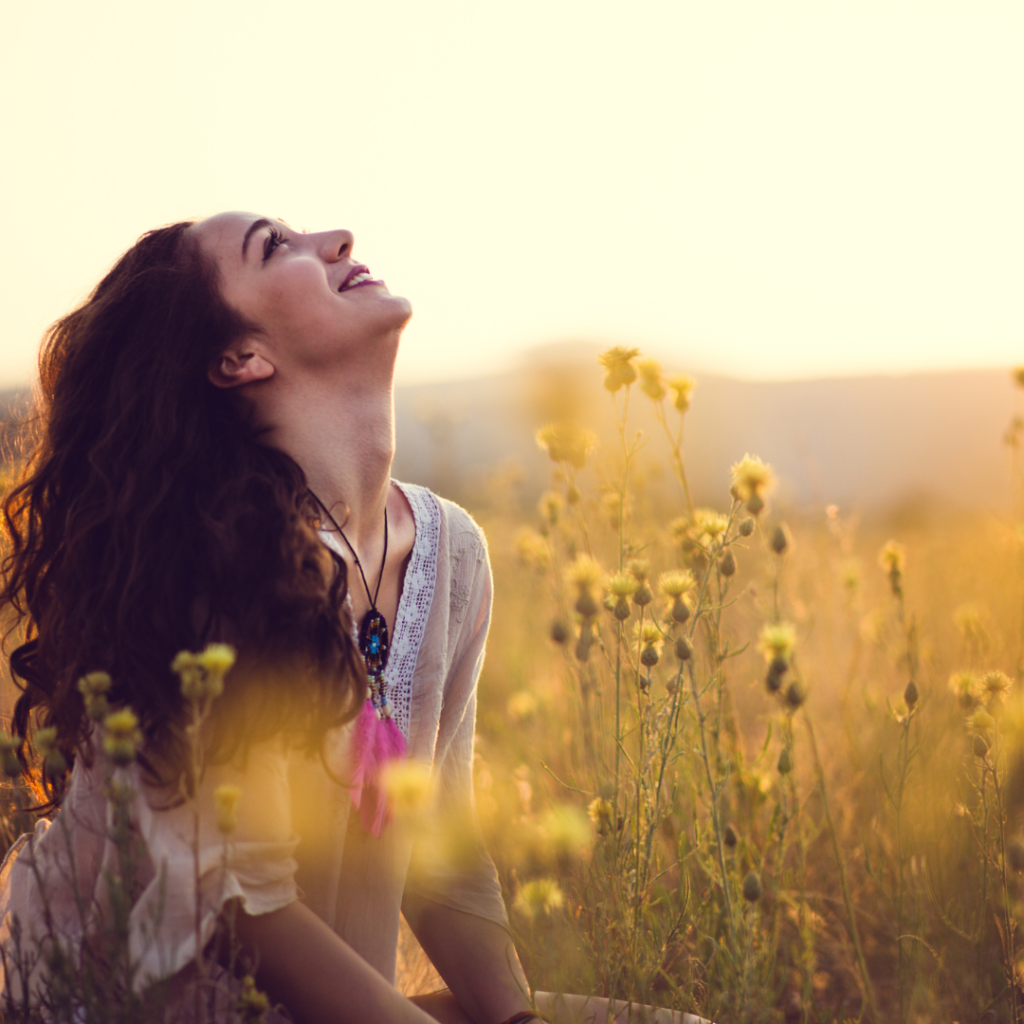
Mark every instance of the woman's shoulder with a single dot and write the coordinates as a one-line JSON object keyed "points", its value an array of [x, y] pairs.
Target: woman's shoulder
{"points": [[460, 525]]}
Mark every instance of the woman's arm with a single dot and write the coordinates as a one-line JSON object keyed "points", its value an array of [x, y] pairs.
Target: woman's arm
{"points": [[306, 966], [475, 957]]}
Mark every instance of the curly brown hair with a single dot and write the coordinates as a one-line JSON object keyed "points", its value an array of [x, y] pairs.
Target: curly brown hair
{"points": [[150, 518]]}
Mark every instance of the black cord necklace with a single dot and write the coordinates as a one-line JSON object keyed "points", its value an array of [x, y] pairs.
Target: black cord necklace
{"points": [[373, 630]]}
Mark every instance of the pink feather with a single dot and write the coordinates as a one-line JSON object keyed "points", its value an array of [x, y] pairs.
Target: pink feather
{"points": [[375, 742]]}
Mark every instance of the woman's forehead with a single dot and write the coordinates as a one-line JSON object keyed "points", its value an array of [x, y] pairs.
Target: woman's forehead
{"points": [[224, 234]]}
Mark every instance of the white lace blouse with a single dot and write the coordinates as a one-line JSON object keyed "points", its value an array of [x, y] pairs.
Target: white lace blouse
{"points": [[295, 837]]}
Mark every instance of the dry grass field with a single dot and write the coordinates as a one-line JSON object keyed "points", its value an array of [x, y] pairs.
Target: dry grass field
{"points": [[755, 762]]}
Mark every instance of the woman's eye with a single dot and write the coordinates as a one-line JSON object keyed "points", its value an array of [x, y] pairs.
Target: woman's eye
{"points": [[274, 239]]}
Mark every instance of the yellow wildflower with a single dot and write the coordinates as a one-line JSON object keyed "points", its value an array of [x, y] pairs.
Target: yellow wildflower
{"points": [[121, 736], [676, 582], [981, 723], [709, 524], [540, 895], [252, 1005], [584, 572], [892, 558], [965, 688], [751, 478], [522, 706], [651, 382], [409, 785], [600, 812], [777, 640], [996, 684], [566, 831], [550, 507], [532, 548], [622, 584], [225, 800], [619, 371], [566, 442], [682, 384]]}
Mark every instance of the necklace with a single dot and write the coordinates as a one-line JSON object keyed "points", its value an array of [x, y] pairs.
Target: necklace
{"points": [[376, 740], [373, 630]]}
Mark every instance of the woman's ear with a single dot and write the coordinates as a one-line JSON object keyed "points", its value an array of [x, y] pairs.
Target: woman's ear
{"points": [[235, 367]]}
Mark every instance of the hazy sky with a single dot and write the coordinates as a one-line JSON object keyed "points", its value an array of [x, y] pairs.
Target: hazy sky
{"points": [[762, 189]]}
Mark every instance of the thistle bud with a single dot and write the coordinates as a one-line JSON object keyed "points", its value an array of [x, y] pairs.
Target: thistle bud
{"points": [[621, 611], [910, 694], [785, 765], [585, 604], [727, 564], [779, 541], [572, 495], [680, 610], [684, 649], [795, 694], [729, 837], [746, 527], [649, 656], [558, 632], [643, 596], [773, 680], [755, 504], [980, 747], [752, 887]]}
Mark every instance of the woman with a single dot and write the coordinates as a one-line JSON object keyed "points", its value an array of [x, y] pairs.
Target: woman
{"points": [[214, 466]]}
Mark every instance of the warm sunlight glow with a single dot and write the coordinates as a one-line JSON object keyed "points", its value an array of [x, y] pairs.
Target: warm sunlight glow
{"points": [[760, 190]]}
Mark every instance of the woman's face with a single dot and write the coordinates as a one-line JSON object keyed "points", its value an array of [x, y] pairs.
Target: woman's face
{"points": [[314, 303]]}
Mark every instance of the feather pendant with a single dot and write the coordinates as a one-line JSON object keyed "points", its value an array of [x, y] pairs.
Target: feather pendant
{"points": [[376, 742]]}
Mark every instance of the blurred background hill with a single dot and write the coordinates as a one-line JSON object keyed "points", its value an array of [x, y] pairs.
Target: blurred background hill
{"points": [[870, 444], [864, 443]]}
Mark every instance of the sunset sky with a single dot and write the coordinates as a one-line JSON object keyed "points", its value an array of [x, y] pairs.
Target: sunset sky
{"points": [[760, 189]]}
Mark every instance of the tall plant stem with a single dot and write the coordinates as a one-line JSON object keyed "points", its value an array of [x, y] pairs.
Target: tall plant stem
{"points": [[869, 992]]}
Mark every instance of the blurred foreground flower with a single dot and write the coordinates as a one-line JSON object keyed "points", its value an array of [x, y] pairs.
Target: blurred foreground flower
{"points": [[202, 674], [10, 744], [619, 371], [45, 741], [777, 640], [682, 384], [122, 736], [566, 832], [651, 382], [540, 895], [225, 800], [601, 812], [409, 786], [566, 442], [751, 481], [252, 1005]]}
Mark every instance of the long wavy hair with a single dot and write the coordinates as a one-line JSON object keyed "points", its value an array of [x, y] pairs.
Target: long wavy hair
{"points": [[150, 518]]}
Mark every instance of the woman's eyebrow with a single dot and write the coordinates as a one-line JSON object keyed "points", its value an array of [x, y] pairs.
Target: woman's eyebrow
{"points": [[253, 228]]}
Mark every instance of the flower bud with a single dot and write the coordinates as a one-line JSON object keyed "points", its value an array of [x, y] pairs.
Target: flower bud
{"points": [[586, 605], [755, 504], [684, 649], [121, 736], [746, 527], [729, 837], [643, 595], [752, 887], [773, 680], [785, 765], [795, 694], [621, 611], [649, 656], [680, 610], [558, 632], [727, 564], [980, 746], [910, 694], [779, 541]]}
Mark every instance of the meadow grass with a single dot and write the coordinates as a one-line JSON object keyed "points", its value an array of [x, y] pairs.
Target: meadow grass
{"points": [[762, 764]]}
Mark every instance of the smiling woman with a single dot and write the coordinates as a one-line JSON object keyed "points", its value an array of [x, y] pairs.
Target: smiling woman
{"points": [[213, 467]]}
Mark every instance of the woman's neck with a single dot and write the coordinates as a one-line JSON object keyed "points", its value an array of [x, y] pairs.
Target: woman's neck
{"points": [[344, 440]]}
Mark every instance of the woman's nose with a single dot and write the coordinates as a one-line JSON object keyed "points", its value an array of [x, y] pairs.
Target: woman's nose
{"points": [[336, 245]]}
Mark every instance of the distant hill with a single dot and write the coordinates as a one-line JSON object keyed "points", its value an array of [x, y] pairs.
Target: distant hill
{"points": [[862, 442], [859, 442]]}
